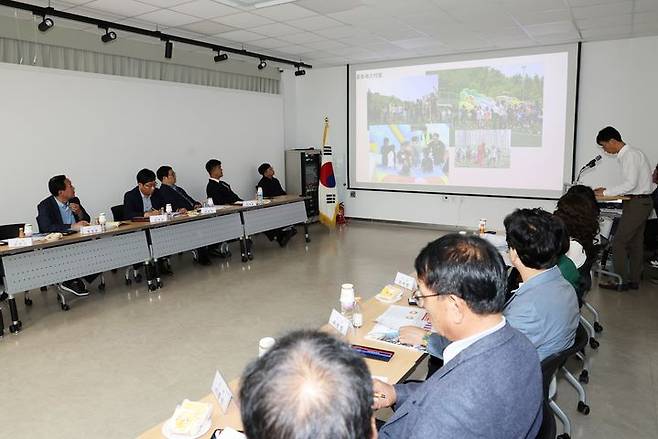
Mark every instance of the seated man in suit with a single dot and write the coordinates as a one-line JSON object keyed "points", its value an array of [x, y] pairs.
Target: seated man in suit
{"points": [[272, 188], [219, 191], [180, 201], [143, 200], [270, 184], [491, 384], [60, 212], [309, 385]]}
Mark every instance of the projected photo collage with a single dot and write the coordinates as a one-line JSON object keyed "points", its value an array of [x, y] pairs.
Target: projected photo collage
{"points": [[421, 127]]}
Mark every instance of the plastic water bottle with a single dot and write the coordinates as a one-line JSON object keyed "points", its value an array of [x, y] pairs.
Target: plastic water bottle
{"points": [[357, 315], [102, 220], [259, 195], [210, 202], [347, 300], [27, 230], [169, 211]]}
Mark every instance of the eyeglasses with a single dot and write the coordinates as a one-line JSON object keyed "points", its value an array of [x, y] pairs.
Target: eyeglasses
{"points": [[419, 298]]}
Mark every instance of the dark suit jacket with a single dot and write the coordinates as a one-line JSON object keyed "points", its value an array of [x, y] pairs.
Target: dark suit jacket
{"points": [[221, 193], [179, 199], [49, 219], [271, 187], [491, 389], [133, 206]]}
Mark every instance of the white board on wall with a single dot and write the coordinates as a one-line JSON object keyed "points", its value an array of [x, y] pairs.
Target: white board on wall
{"points": [[100, 130]]}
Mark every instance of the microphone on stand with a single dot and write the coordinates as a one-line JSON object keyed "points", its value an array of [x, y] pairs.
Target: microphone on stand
{"points": [[589, 165]]}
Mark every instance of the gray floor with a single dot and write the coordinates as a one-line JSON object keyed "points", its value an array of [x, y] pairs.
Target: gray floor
{"points": [[117, 363]]}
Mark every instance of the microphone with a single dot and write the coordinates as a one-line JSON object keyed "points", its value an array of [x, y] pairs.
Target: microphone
{"points": [[592, 162]]}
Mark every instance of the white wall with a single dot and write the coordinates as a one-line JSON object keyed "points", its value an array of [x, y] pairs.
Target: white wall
{"points": [[100, 130], [616, 87]]}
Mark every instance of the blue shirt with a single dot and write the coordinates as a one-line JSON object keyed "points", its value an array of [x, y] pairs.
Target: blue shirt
{"points": [[544, 309], [65, 212], [148, 206]]}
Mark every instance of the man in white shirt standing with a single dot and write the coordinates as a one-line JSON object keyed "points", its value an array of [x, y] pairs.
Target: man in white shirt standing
{"points": [[627, 244]]}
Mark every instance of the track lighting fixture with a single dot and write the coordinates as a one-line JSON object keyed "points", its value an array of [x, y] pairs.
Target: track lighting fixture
{"points": [[300, 71], [108, 36], [169, 49], [46, 24], [262, 64], [220, 57]]}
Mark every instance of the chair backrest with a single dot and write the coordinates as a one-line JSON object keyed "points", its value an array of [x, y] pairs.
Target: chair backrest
{"points": [[8, 231], [548, 428], [118, 213], [549, 367]]}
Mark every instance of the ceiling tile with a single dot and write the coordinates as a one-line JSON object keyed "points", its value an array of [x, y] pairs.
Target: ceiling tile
{"points": [[617, 21], [559, 27], [525, 17], [326, 45], [339, 32], [316, 22], [646, 18], [646, 5], [415, 43], [301, 38], [359, 14], [243, 20], [208, 27], [101, 15], [327, 7], [275, 29], [166, 17], [205, 9], [295, 50], [284, 12], [164, 3], [269, 43], [606, 10], [534, 5], [241, 36], [126, 8]]}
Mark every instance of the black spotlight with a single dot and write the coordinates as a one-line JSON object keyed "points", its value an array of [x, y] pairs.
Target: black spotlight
{"points": [[262, 64], [169, 49], [300, 72], [220, 57], [109, 36], [46, 24]]}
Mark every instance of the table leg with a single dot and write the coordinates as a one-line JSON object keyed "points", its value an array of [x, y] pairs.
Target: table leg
{"points": [[243, 249], [306, 235], [150, 274], [249, 244], [13, 311]]}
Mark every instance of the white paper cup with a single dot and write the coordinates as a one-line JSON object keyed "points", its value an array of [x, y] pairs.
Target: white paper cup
{"points": [[265, 344]]}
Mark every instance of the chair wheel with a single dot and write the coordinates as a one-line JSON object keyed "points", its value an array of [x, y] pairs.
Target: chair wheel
{"points": [[129, 281], [13, 328], [152, 287], [101, 287], [44, 288], [28, 302], [584, 377], [308, 239], [583, 408], [597, 327], [65, 307], [593, 343], [245, 259]]}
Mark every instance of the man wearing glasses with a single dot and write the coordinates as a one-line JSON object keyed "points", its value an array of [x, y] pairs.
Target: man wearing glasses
{"points": [[143, 200], [491, 383]]}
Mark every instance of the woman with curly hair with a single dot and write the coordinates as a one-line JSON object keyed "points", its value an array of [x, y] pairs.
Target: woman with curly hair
{"points": [[580, 213]]}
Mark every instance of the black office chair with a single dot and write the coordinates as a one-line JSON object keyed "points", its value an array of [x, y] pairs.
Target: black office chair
{"points": [[578, 349], [548, 428], [549, 368]]}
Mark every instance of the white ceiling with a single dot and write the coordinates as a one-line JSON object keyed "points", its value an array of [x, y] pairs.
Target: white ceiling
{"points": [[336, 32]]}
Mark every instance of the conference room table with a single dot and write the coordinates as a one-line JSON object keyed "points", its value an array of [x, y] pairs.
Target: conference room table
{"points": [[77, 255], [402, 364]]}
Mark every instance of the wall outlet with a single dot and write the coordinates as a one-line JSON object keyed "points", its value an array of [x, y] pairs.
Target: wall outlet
{"points": [[352, 194]]}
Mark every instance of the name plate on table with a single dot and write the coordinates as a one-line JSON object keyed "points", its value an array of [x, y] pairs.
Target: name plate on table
{"points": [[19, 242], [222, 391], [90, 230], [405, 281], [208, 210], [339, 322], [158, 219], [250, 203]]}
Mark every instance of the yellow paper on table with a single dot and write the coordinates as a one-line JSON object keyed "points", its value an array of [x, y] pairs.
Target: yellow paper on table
{"points": [[390, 294]]}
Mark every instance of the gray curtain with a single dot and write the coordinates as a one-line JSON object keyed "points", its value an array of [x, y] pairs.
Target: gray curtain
{"points": [[43, 55]]}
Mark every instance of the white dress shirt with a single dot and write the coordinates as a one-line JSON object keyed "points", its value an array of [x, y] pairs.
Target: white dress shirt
{"points": [[636, 173], [576, 253], [454, 348]]}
